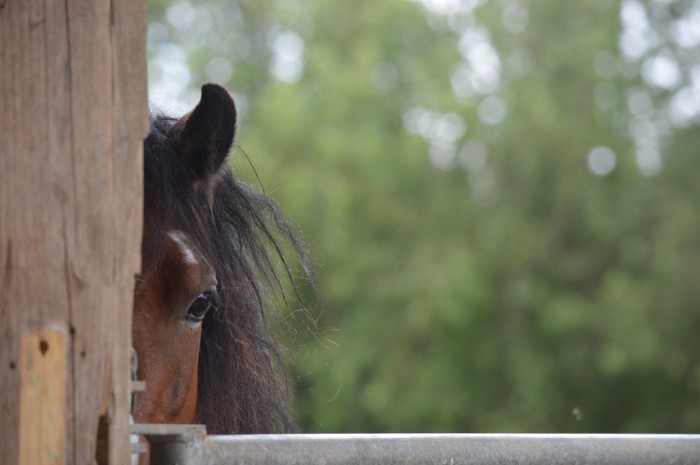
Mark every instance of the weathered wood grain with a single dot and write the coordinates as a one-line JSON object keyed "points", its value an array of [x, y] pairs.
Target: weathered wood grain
{"points": [[73, 114]]}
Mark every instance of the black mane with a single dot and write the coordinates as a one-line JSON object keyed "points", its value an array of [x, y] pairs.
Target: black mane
{"points": [[241, 233]]}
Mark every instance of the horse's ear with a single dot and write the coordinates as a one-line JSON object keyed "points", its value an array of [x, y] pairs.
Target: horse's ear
{"points": [[207, 132]]}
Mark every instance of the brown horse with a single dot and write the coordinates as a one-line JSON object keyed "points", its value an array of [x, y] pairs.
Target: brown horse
{"points": [[207, 271]]}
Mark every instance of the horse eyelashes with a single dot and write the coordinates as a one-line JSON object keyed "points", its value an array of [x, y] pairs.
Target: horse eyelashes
{"points": [[201, 305]]}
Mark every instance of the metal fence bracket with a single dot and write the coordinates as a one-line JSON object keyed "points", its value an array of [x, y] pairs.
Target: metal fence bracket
{"points": [[173, 444]]}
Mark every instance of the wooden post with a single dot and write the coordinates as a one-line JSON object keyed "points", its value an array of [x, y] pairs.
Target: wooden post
{"points": [[73, 115]]}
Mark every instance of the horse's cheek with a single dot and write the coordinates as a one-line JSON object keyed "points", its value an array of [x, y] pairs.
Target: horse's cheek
{"points": [[168, 354]]}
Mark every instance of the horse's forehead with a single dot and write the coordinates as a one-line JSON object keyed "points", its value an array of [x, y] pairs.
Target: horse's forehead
{"points": [[187, 249], [187, 259]]}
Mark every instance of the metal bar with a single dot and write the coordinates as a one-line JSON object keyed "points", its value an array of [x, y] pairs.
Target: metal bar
{"points": [[189, 445], [452, 449]]}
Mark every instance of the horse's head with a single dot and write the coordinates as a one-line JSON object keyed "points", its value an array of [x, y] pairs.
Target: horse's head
{"points": [[197, 325], [179, 284]]}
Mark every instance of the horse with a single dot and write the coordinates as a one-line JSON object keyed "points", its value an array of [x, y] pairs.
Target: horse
{"points": [[211, 257]]}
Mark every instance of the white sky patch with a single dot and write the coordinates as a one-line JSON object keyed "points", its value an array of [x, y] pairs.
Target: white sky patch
{"points": [[460, 79], [183, 243], [633, 14], [170, 80], [686, 30], [658, 49], [684, 106], [157, 34], [432, 125], [219, 69], [461, 22], [242, 105], [482, 65], [440, 130], [181, 15], [442, 154], [450, 7], [662, 71], [637, 36], [288, 56], [601, 161], [644, 131]]}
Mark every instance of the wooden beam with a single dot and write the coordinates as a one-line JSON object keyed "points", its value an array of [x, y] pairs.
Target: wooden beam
{"points": [[73, 114]]}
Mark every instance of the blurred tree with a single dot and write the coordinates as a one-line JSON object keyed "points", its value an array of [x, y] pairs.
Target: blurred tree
{"points": [[500, 197]]}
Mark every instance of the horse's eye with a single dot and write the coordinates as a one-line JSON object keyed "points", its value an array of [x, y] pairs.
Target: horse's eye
{"points": [[201, 305]]}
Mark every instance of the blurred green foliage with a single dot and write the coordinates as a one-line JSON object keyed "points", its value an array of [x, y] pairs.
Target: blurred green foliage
{"points": [[500, 198]]}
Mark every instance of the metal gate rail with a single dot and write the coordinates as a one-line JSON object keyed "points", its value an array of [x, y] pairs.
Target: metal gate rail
{"points": [[191, 446]]}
